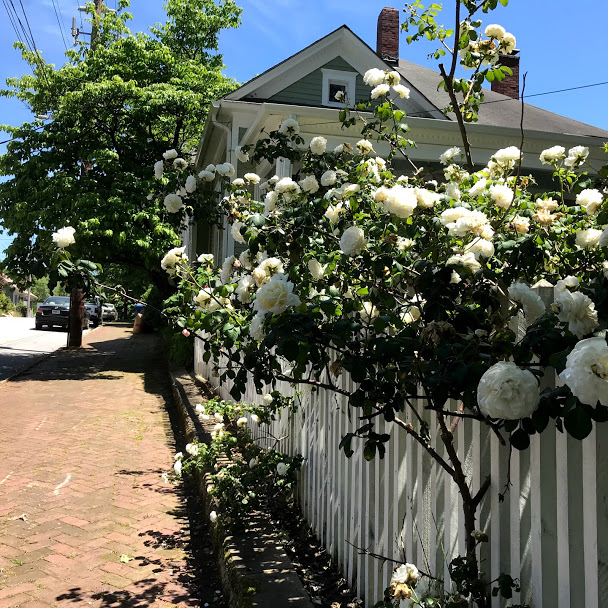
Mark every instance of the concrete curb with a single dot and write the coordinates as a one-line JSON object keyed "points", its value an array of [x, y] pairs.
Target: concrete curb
{"points": [[256, 572]]}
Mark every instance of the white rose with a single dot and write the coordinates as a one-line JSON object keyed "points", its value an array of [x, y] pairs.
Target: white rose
{"points": [[333, 212], [586, 372], [190, 184], [588, 238], [276, 296], [364, 146], [531, 302], [317, 270], [281, 469], [64, 237], [170, 154], [478, 188], [213, 517], [241, 422], [236, 232], [451, 215], [551, 155], [379, 91], [576, 156], [352, 241], [158, 169], [495, 31], [508, 43], [177, 467], [507, 156], [252, 178], [256, 328], [453, 191], [603, 240], [227, 269], [521, 224], [270, 201], [426, 198], [180, 163], [406, 574], [373, 77], [577, 310], [318, 145], [268, 399], [309, 184], [501, 195], [173, 258], [400, 201], [590, 199], [289, 126], [329, 178], [448, 155], [480, 248], [245, 287], [403, 92], [241, 156], [207, 176], [508, 392], [468, 260], [225, 170], [173, 202]]}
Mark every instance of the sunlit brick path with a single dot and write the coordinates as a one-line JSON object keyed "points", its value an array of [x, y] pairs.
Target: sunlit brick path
{"points": [[85, 519]]}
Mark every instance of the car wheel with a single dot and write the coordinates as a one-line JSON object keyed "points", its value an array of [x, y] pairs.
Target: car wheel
{"points": [[38, 325]]}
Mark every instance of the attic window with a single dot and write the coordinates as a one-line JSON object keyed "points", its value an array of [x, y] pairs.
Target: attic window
{"points": [[335, 81]]}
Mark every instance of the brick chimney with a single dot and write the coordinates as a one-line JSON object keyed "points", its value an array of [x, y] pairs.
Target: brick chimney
{"points": [[387, 42], [510, 85]]}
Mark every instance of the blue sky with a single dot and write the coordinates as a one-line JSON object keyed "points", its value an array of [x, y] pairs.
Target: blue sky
{"points": [[562, 45]]}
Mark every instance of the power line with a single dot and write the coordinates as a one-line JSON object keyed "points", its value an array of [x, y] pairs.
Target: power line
{"points": [[57, 10]]}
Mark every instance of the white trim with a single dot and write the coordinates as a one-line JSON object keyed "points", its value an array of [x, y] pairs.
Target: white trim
{"points": [[340, 77]]}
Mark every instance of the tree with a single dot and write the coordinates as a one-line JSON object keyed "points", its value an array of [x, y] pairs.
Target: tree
{"points": [[114, 109]]}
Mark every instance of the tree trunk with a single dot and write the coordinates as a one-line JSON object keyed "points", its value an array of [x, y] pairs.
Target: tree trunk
{"points": [[76, 319]]}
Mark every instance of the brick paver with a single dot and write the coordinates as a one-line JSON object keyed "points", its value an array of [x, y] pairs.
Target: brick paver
{"points": [[85, 519]]}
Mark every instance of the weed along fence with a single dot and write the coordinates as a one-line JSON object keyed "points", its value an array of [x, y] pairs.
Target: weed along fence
{"points": [[551, 529]]}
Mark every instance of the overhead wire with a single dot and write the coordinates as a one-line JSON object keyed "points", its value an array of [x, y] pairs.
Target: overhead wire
{"points": [[60, 22]]}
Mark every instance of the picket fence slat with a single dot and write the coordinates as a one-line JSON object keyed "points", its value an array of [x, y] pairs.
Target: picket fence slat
{"points": [[551, 530]]}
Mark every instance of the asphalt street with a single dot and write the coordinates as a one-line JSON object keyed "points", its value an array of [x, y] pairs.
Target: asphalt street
{"points": [[21, 344]]}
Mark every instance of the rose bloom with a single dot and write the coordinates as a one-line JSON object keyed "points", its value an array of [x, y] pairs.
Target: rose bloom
{"points": [[495, 31], [333, 212], [158, 169], [453, 191], [239, 182], [270, 201], [448, 155], [406, 574], [404, 244], [173, 258], [521, 224], [329, 178], [373, 77], [468, 260], [267, 268], [190, 184], [379, 91], [245, 287], [400, 201], [256, 328], [402, 91], [508, 43], [281, 469], [207, 176], [501, 195], [480, 248], [241, 422], [268, 399], [352, 241], [180, 163], [393, 78], [241, 156], [507, 156], [276, 296], [252, 178], [170, 154], [578, 310], [235, 231], [364, 146], [173, 202], [551, 155], [576, 156], [508, 392], [225, 170], [317, 270], [478, 187], [289, 127], [318, 145], [531, 302], [64, 237], [586, 372], [588, 238], [309, 184], [227, 269], [426, 198], [590, 199], [603, 240]]}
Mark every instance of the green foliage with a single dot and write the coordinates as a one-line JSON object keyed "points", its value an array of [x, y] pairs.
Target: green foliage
{"points": [[6, 304], [115, 109]]}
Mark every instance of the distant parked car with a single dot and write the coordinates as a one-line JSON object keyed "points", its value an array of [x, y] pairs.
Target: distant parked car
{"points": [[93, 305], [109, 312], [55, 310]]}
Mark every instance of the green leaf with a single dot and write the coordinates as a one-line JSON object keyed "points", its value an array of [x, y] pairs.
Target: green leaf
{"points": [[369, 451], [520, 440], [578, 423]]}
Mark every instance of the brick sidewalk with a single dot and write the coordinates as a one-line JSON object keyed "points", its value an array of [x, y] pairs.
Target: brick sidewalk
{"points": [[85, 519]]}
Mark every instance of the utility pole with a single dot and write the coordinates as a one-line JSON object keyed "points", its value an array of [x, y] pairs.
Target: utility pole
{"points": [[76, 297]]}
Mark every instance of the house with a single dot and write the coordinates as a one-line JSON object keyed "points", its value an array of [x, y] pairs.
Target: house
{"points": [[16, 296], [303, 86]]}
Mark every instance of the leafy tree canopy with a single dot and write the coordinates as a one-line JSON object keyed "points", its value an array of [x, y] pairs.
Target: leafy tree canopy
{"points": [[114, 109]]}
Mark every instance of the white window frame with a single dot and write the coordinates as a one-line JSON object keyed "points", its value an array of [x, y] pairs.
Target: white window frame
{"points": [[348, 79]]}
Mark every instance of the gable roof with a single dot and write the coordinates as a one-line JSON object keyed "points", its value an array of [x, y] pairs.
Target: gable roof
{"points": [[425, 99], [497, 109]]}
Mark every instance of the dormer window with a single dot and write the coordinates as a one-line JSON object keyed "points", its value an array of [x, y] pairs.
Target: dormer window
{"points": [[335, 81]]}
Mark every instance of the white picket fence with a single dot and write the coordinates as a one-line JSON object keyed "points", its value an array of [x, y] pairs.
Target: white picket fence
{"points": [[551, 530]]}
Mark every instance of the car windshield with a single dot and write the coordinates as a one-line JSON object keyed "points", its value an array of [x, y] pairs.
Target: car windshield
{"points": [[58, 301]]}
